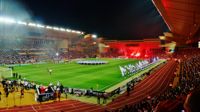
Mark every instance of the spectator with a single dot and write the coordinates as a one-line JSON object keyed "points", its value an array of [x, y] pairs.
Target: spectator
{"points": [[192, 101], [22, 93], [59, 95], [128, 89]]}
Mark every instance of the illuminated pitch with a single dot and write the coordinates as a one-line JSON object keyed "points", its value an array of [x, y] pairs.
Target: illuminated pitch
{"points": [[98, 77]]}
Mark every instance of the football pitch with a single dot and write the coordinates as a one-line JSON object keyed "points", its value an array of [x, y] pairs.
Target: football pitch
{"points": [[98, 77]]}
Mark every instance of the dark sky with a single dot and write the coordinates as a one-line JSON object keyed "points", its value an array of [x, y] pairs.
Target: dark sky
{"points": [[112, 19]]}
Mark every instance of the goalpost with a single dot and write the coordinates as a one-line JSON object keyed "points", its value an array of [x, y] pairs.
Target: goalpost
{"points": [[5, 72]]}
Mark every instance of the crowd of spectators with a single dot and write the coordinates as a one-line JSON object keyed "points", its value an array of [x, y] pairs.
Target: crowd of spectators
{"points": [[11, 57], [73, 54], [185, 53], [10, 86]]}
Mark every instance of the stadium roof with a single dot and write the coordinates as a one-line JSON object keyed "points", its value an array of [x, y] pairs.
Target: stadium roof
{"points": [[7, 20], [182, 18]]}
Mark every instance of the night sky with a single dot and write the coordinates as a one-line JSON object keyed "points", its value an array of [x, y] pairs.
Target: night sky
{"points": [[112, 19]]}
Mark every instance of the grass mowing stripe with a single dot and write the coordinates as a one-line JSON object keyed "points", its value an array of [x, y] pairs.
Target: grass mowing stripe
{"points": [[75, 75]]}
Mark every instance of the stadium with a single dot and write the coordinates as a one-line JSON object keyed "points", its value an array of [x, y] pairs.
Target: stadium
{"points": [[50, 68]]}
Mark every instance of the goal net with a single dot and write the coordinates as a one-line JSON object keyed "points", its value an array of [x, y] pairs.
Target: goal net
{"points": [[5, 72]]}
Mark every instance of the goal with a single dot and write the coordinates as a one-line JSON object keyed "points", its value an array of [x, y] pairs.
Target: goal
{"points": [[5, 72]]}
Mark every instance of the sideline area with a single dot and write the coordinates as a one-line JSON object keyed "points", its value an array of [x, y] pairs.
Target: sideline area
{"points": [[122, 83], [14, 100]]}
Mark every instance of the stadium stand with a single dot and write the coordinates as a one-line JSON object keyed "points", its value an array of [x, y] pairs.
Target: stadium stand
{"points": [[153, 93], [164, 90]]}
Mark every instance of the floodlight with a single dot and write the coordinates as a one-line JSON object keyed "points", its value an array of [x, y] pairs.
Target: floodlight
{"points": [[31, 24], [78, 32], [49, 27], [7, 20], [55, 28], [62, 29], [21, 23], [94, 36], [68, 30], [40, 26]]}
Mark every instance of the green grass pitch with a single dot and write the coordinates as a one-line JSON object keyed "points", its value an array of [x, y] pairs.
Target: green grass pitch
{"points": [[98, 77]]}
